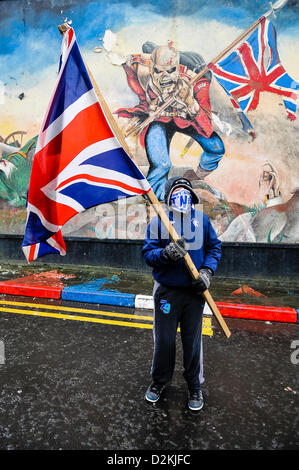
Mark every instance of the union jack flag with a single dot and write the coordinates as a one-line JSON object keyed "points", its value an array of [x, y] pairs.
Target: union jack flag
{"points": [[255, 67], [78, 162]]}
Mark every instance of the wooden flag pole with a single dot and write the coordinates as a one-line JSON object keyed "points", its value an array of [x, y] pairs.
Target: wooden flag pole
{"points": [[153, 198]]}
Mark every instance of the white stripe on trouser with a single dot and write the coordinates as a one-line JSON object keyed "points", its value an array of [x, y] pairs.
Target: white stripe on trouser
{"points": [[201, 376]]}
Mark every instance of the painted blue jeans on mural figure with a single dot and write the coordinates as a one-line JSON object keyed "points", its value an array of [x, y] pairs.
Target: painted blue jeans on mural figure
{"points": [[157, 144]]}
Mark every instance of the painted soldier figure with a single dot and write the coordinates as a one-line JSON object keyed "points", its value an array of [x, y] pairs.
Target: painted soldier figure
{"points": [[153, 78]]}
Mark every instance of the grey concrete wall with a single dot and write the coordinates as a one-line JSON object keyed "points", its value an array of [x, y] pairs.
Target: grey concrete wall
{"points": [[238, 259]]}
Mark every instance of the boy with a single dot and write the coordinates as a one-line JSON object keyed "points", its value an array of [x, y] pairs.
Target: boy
{"points": [[177, 297]]}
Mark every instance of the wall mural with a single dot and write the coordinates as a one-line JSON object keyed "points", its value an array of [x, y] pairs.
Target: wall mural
{"points": [[233, 132]]}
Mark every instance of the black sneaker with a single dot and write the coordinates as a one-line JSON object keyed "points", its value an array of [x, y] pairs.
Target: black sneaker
{"points": [[195, 399], [153, 392]]}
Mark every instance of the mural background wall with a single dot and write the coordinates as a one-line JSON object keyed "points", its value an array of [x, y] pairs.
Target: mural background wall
{"points": [[238, 195]]}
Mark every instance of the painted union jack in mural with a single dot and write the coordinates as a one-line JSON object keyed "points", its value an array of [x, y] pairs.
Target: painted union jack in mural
{"points": [[255, 67], [78, 162]]}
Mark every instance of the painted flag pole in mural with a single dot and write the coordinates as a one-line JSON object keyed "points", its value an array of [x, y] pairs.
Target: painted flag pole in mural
{"points": [[79, 163], [253, 79]]}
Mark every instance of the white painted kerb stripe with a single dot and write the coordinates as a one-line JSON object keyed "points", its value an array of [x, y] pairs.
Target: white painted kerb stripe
{"points": [[147, 302], [144, 301]]}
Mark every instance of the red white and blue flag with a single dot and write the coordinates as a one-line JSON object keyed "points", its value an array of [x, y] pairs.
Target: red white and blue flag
{"points": [[78, 162], [255, 67]]}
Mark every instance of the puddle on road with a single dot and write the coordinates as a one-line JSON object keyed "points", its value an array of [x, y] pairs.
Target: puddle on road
{"points": [[256, 292]]}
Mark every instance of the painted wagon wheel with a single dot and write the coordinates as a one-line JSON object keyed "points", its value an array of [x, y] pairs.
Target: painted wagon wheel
{"points": [[15, 138]]}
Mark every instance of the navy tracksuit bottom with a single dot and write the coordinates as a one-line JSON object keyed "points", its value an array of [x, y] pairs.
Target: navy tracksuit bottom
{"points": [[175, 307]]}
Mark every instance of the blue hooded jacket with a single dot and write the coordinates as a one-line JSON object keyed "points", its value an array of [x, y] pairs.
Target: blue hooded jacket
{"points": [[203, 247]]}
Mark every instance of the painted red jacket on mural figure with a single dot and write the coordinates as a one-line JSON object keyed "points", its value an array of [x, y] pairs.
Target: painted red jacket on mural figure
{"points": [[140, 85], [154, 76]]}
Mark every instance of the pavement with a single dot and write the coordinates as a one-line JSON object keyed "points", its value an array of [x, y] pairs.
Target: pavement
{"points": [[272, 300], [74, 373]]}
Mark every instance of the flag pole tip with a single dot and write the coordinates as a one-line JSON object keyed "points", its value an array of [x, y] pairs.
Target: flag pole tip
{"points": [[62, 28], [279, 4]]}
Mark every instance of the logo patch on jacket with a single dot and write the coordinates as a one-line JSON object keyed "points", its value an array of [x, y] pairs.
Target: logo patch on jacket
{"points": [[165, 306]]}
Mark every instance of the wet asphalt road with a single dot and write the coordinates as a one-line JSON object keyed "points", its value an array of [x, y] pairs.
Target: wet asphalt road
{"points": [[80, 385]]}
